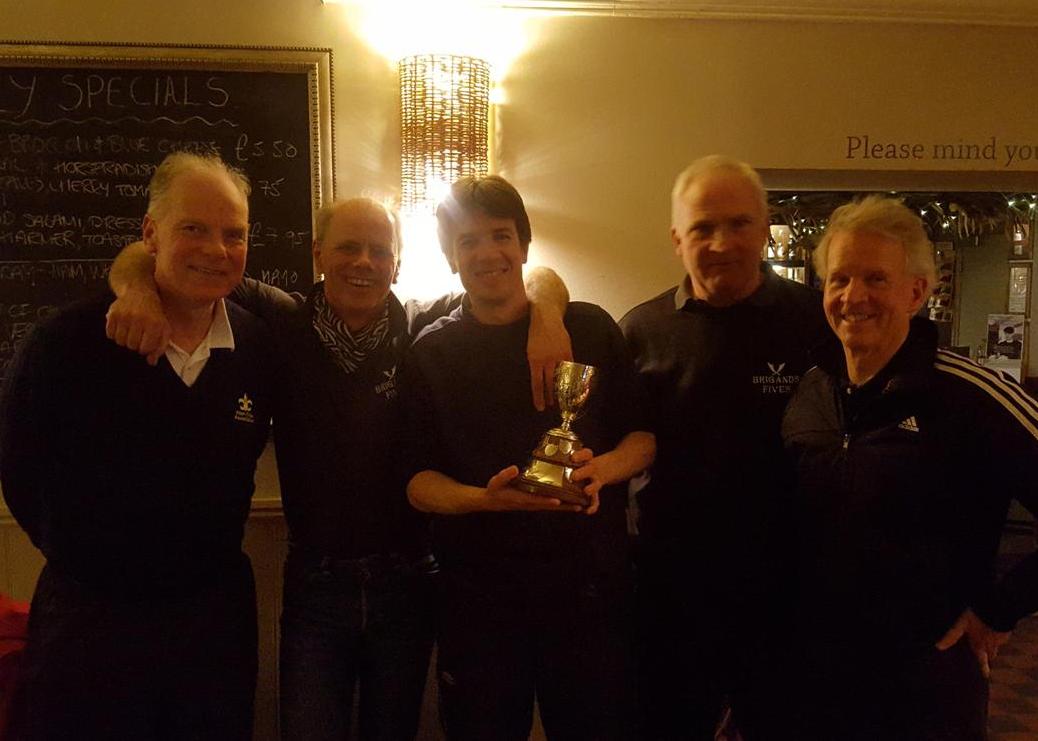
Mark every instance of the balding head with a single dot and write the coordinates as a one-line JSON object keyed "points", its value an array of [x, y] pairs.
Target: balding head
{"points": [[359, 207]]}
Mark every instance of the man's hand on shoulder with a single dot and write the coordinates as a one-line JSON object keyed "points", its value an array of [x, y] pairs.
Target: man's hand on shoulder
{"points": [[547, 345], [136, 321]]}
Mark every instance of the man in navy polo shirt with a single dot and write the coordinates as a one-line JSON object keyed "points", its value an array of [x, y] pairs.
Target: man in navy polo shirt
{"points": [[719, 355]]}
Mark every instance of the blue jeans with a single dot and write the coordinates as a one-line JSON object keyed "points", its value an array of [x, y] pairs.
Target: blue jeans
{"points": [[367, 621]]}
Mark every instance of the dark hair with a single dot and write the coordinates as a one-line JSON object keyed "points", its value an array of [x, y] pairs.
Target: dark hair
{"points": [[491, 194]]}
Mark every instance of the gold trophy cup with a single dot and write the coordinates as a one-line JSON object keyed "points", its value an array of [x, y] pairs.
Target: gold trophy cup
{"points": [[551, 465]]}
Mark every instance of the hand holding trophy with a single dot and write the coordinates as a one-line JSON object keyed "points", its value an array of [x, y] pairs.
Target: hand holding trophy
{"points": [[551, 465]]}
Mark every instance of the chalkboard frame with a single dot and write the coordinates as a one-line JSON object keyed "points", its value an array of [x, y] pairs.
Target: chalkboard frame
{"points": [[38, 285], [314, 61]]}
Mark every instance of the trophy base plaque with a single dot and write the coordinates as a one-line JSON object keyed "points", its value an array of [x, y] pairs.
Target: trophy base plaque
{"points": [[550, 467]]}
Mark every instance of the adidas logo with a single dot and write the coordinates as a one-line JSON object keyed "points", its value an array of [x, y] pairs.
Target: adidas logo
{"points": [[909, 424]]}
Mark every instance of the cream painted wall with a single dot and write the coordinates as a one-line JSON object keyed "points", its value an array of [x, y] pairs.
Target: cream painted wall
{"points": [[600, 113], [639, 99]]}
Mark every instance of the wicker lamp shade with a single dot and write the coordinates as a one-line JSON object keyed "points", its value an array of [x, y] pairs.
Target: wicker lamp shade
{"points": [[444, 101]]}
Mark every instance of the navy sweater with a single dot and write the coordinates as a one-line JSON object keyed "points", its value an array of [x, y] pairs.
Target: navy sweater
{"points": [[129, 481]]}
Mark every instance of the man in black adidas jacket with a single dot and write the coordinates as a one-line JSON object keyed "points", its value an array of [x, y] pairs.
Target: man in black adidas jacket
{"points": [[907, 458]]}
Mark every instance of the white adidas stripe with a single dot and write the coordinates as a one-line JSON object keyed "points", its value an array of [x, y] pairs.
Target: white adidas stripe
{"points": [[1009, 386], [1013, 390], [1009, 395]]}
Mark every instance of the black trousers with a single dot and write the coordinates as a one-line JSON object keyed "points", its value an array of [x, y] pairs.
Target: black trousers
{"points": [[567, 642], [710, 635], [103, 668]]}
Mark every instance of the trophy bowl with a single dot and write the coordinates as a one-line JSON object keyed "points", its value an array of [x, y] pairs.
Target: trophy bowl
{"points": [[551, 464]]}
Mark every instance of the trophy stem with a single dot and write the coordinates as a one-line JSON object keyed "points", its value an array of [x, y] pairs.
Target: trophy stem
{"points": [[562, 432], [567, 420]]}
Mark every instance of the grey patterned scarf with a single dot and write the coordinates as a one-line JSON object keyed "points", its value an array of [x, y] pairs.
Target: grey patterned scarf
{"points": [[348, 349]]}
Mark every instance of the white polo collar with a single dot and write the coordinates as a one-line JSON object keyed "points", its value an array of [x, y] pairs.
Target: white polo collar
{"points": [[188, 366]]}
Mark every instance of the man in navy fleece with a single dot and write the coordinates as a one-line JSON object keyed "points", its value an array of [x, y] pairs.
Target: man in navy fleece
{"points": [[535, 597]]}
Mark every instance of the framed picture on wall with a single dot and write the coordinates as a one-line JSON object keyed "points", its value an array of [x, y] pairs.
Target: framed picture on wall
{"points": [[1005, 336], [1019, 288]]}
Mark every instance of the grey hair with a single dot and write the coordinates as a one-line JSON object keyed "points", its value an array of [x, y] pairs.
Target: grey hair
{"points": [[180, 163], [890, 218], [708, 165], [324, 218]]}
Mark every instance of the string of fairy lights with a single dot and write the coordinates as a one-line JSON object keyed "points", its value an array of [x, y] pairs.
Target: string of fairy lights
{"points": [[947, 216]]}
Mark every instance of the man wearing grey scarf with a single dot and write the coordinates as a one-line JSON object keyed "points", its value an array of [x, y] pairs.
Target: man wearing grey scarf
{"points": [[357, 596]]}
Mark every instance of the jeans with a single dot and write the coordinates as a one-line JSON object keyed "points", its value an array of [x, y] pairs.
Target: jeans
{"points": [[366, 622]]}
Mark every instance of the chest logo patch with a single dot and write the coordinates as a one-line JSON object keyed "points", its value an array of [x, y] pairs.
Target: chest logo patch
{"points": [[387, 387], [244, 411], [775, 381], [909, 424]]}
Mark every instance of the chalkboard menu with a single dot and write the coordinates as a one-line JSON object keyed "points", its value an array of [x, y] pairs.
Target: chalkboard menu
{"points": [[82, 129]]}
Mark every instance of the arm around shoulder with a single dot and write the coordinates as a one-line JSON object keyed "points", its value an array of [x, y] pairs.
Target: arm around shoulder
{"points": [[265, 301], [548, 342], [544, 288], [136, 320]]}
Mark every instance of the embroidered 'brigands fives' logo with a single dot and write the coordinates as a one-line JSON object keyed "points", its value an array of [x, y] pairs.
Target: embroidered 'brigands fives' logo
{"points": [[775, 381], [387, 387]]}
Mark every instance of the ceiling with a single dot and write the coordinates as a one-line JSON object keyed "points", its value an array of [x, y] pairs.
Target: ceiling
{"points": [[970, 12]]}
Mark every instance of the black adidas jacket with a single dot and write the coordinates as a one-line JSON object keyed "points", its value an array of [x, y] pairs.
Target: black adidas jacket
{"points": [[903, 490]]}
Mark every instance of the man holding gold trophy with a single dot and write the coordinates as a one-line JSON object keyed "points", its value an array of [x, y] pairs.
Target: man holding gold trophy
{"points": [[535, 594], [552, 465]]}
